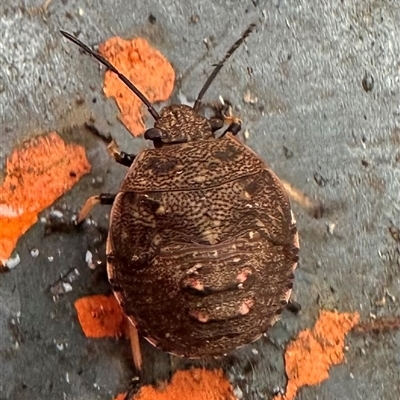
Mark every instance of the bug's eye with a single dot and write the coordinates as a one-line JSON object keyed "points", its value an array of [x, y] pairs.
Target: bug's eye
{"points": [[153, 134], [216, 123]]}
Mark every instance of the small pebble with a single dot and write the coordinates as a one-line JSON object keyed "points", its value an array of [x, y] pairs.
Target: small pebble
{"points": [[238, 392], [56, 213], [331, 227], [89, 260], [34, 252]]}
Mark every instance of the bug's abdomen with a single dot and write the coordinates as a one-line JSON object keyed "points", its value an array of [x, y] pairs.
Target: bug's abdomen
{"points": [[202, 272], [207, 300]]}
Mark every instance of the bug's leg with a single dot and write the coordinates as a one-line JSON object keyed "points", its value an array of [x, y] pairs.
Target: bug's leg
{"points": [[293, 306], [103, 198], [134, 389], [234, 128], [235, 123], [119, 156], [313, 207], [135, 346]]}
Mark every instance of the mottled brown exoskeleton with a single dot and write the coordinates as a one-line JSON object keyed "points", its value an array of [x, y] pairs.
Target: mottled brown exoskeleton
{"points": [[202, 242]]}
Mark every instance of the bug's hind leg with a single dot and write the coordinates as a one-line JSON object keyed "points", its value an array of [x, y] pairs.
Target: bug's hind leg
{"points": [[314, 207], [119, 156], [103, 199]]}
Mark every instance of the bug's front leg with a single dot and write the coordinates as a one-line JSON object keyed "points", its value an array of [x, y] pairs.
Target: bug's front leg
{"points": [[235, 123], [119, 156], [102, 198]]}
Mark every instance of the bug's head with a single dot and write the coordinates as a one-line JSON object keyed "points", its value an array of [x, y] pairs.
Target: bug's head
{"points": [[180, 124], [176, 123]]}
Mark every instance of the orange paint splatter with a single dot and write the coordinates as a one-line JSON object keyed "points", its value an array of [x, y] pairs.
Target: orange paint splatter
{"points": [[121, 396], [37, 174], [100, 316], [146, 68], [194, 384], [309, 357]]}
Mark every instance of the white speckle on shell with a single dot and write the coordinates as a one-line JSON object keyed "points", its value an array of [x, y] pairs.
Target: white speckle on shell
{"points": [[200, 179]]}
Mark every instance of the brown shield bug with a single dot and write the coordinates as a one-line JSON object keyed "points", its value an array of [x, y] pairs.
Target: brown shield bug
{"points": [[202, 242]]}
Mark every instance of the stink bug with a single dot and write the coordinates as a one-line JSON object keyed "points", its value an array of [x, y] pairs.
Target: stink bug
{"points": [[202, 242]]}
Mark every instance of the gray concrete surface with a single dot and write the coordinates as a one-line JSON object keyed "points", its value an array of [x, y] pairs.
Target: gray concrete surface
{"points": [[308, 62]]}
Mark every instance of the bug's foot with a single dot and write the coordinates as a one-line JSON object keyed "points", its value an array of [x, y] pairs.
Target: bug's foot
{"points": [[134, 388], [293, 306]]}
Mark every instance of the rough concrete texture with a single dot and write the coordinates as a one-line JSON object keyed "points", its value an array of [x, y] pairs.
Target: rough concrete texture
{"points": [[327, 78]]}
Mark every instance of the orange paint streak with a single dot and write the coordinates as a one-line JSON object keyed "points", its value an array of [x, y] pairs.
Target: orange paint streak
{"points": [[101, 316], [146, 68], [37, 174], [309, 357], [194, 384]]}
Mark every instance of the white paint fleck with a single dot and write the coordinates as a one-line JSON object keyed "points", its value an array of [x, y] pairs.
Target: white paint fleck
{"points": [[56, 213], [12, 262], [89, 260], [238, 392], [8, 211], [60, 346], [250, 98], [67, 287], [331, 227]]}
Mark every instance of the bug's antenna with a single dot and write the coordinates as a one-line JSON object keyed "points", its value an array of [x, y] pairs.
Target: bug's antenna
{"points": [[218, 67], [111, 67]]}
